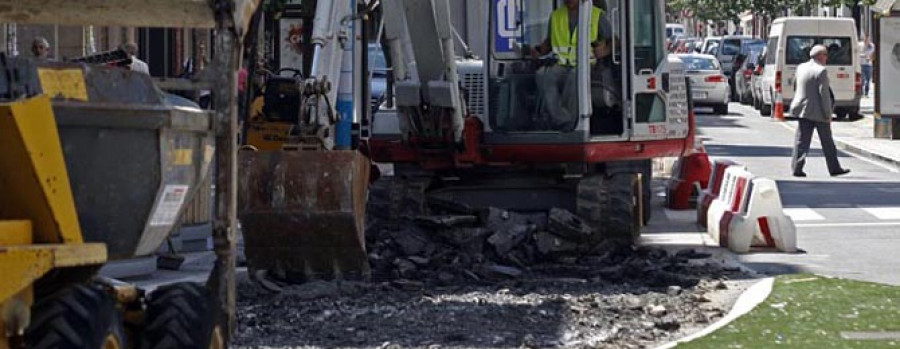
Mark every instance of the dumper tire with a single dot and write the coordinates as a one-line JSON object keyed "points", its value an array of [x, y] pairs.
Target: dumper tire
{"points": [[183, 315], [612, 205], [79, 316]]}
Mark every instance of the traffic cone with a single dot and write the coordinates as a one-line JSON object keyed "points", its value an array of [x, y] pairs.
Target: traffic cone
{"points": [[779, 107]]}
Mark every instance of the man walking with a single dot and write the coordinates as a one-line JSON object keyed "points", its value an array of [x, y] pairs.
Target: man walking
{"points": [[866, 51], [813, 105]]}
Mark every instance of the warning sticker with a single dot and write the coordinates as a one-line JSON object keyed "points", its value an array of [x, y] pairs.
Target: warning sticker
{"points": [[183, 157], [65, 83], [166, 211]]}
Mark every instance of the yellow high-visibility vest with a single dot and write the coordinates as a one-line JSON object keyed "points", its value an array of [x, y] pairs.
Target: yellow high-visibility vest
{"points": [[565, 43]]}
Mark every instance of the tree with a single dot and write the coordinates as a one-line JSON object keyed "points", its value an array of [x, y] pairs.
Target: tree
{"points": [[712, 10], [729, 10]]}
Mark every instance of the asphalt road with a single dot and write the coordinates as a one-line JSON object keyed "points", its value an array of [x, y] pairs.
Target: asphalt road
{"points": [[848, 226]]}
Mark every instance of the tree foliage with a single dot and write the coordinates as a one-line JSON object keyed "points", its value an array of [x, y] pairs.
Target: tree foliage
{"points": [[729, 10]]}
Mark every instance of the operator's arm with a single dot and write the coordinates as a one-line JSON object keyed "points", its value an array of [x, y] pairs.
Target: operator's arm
{"points": [[544, 47]]}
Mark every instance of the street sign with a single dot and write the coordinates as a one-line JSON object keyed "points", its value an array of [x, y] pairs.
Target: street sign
{"points": [[506, 33]]}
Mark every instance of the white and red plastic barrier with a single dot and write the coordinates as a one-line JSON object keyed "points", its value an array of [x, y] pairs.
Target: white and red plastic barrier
{"points": [[711, 192], [748, 213]]}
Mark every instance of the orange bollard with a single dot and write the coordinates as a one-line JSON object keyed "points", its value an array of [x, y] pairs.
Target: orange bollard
{"points": [[779, 107]]}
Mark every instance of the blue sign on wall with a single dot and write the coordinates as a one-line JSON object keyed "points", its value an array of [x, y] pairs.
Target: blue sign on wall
{"points": [[506, 28]]}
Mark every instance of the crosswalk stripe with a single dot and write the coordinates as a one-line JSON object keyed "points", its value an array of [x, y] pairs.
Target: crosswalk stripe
{"points": [[883, 213], [803, 214]]}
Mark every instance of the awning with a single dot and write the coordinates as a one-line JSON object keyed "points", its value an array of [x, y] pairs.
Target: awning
{"points": [[883, 6]]}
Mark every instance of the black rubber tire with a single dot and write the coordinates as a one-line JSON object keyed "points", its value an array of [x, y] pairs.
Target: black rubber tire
{"points": [[78, 317], [721, 109], [841, 114], [765, 110], [611, 205], [182, 315]]}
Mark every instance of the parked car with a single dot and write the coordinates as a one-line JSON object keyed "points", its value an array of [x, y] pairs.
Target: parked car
{"points": [[732, 52], [709, 86], [710, 43], [756, 80], [790, 40], [674, 41], [743, 91], [693, 45], [731, 47]]}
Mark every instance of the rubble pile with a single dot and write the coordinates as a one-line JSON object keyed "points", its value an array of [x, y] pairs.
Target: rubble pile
{"points": [[649, 299], [490, 245], [458, 278]]}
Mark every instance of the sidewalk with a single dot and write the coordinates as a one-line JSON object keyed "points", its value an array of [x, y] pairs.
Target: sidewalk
{"points": [[857, 137]]}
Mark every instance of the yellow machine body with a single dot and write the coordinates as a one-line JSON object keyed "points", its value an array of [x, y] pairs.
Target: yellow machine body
{"points": [[39, 229]]}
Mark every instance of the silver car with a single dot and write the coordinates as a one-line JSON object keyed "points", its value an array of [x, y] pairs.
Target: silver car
{"points": [[709, 85]]}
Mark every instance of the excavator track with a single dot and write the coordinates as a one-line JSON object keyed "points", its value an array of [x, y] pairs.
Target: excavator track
{"points": [[613, 204]]}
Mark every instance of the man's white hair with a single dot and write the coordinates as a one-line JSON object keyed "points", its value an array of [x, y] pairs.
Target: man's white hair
{"points": [[817, 50]]}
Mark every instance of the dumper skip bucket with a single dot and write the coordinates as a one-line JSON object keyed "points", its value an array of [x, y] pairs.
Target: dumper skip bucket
{"points": [[302, 212]]}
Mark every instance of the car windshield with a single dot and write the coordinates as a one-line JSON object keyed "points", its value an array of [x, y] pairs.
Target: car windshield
{"points": [[839, 50], [710, 45], [753, 46], [731, 47], [754, 56], [699, 63]]}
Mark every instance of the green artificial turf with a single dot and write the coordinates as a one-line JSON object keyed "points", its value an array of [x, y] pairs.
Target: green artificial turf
{"points": [[810, 311]]}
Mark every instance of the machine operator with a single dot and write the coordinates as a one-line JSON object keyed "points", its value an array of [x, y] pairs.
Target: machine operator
{"points": [[561, 77]]}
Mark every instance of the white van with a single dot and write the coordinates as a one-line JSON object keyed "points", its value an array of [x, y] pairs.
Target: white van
{"points": [[673, 29], [791, 38]]}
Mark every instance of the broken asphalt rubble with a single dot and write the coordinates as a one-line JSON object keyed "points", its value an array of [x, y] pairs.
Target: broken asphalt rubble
{"points": [[461, 278]]}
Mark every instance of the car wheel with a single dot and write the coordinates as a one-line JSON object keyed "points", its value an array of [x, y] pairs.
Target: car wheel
{"points": [[765, 110], [841, 114], [721, 109]]}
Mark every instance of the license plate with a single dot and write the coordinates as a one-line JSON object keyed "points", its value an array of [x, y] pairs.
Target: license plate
{"points": [[699, 95]]}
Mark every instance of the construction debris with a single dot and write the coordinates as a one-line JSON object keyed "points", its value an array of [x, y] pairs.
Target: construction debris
{"points": [[494, 306], [454, 277]]}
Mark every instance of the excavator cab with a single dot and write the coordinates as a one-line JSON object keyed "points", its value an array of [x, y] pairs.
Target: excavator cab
{"points": [[614, 87]]}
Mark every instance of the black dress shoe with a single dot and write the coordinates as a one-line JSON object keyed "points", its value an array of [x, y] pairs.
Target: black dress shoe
{"points": [[841, 172], [799, 174]]}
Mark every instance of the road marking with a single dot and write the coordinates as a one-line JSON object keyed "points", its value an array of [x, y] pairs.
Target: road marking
{"points": [[681, 215], [846, 225], [884, 213], [803, 214], [887, 167]]}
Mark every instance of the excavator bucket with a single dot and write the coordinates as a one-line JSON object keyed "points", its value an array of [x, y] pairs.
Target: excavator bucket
{"points": [[302, 213]]}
